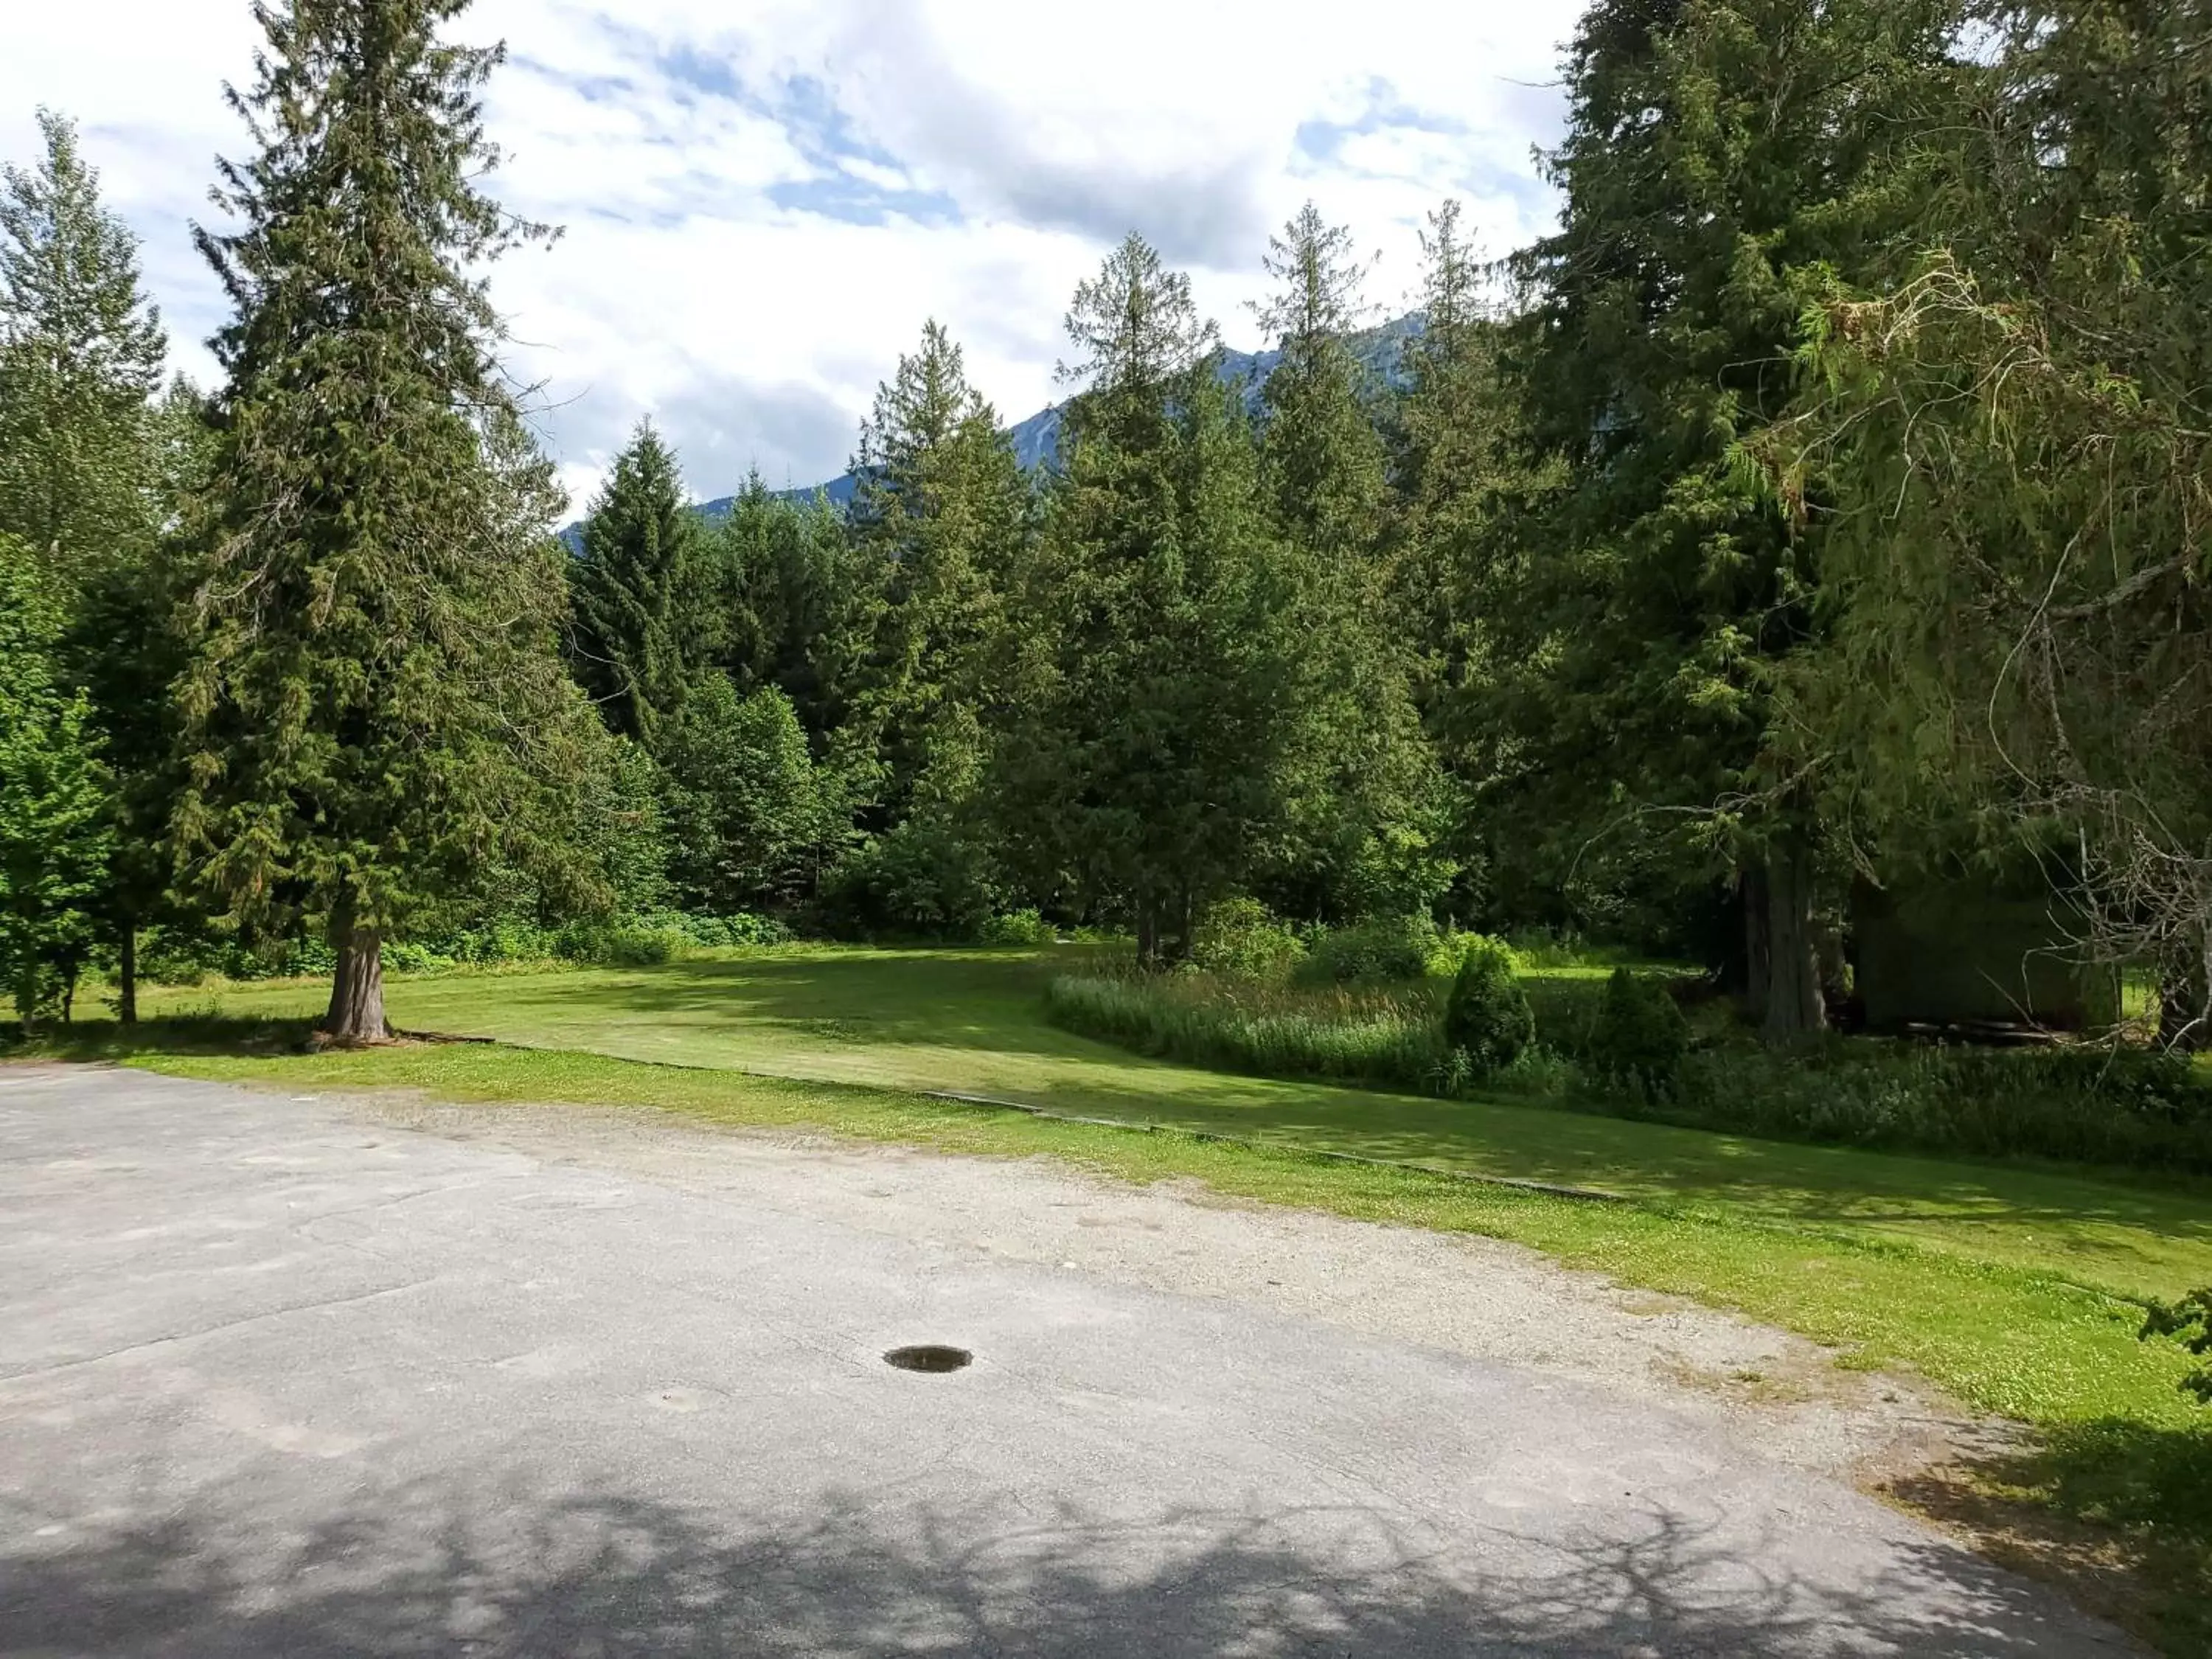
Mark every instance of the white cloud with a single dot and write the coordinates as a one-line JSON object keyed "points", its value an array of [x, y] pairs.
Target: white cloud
{"points": [[764, 200]]}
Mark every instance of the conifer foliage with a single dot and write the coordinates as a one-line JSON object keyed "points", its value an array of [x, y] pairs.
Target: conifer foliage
{"points": [[1142, 767], [81, 355], [640, 591], [374, 704], [56, 834]]}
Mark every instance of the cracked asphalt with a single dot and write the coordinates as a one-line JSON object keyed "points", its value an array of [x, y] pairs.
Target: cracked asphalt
{"points": [[279, 1376]]}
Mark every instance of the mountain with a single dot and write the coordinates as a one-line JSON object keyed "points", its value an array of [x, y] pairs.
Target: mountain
{"points": [[1381, 350]]}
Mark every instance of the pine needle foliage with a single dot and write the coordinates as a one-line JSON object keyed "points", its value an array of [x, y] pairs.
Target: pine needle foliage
{"points": [[374, 707]]}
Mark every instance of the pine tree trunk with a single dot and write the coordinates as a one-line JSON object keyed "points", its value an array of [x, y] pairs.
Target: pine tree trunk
{"points": [[1792, 1004], [356, 1010], [2184, 997], [1148, 933], [1758, 942], [126, 975]]}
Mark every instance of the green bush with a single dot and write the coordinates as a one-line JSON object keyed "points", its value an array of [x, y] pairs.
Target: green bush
{"points": [[1640, 1038], [1376, 951], [926, 877], [1016, 927], [2188, 1321], [618, 944], [1487, 1017], [406, 956], [739, 928], [1241, 938], [2130, 1108]]}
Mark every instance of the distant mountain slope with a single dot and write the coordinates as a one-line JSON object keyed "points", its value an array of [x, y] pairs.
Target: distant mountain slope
{"points": [[1380, 350]]}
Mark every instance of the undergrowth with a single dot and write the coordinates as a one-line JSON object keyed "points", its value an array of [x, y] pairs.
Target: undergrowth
{"points": [[2122, 1108]]}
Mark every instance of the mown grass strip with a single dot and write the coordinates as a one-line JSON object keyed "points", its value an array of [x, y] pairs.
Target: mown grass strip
{"points": [[1586, 1193]]}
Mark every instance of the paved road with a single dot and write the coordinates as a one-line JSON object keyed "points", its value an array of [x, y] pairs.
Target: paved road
{"points": [[277, 1378]]}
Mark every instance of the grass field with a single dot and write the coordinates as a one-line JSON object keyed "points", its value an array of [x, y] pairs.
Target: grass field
{"points": [[2015, 1287], [971, 1022]]}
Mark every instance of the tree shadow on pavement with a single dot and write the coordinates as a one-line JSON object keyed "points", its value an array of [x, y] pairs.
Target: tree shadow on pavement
{"points": [[414, 1573]]}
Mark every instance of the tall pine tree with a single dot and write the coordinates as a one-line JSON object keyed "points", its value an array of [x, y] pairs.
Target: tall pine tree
{"points": [[1321, 455], [640, 593], [1364, 792], [1140, 768], [57, 828], [941, 506], [1713, 149], [91, 472], [374, 707], [80, 357]]}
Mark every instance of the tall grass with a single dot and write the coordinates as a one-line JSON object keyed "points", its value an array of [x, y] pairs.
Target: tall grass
{"points": [[2126, 1109], [1391, 1037]]}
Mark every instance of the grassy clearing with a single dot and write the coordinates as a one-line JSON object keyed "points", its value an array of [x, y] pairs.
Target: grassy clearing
{"points": [[974, 1021]]}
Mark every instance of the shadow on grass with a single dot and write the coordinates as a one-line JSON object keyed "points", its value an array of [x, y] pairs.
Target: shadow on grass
{"points": [[2117, 1513], [985, 1002], [94, 1041], [450, 1567]]}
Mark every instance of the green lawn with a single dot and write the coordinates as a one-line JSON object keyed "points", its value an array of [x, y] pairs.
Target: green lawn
{"points": [[970, 1022], [2004, 1283]]}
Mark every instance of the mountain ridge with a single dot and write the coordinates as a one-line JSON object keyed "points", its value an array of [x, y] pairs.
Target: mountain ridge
{"points": [[1379, 349]]}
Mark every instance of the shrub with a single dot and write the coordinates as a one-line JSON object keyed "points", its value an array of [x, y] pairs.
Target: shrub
{"points": [[2189, 1322], [618, 944], [927, 877], [1375, 952], [1241, 938], [741, 927], [1639, 1039], [407, 956], [1016, 927], [1487, 1017]]}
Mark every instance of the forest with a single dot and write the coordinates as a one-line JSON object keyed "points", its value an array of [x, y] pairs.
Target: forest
{"points": [[1818, 512]]}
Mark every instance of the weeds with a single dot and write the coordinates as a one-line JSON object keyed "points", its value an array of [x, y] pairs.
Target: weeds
{"points": [[2125, 1108]]}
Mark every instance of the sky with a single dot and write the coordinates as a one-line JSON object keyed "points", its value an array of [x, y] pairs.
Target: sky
{"points": [[763, 201]]}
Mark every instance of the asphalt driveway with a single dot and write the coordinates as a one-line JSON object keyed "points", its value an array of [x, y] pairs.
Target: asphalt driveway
{"points": [[277, 1377]]}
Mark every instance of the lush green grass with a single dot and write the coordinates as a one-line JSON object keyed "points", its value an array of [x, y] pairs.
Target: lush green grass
{"points": [[973, 1022], [1387, 1035], [2130, 1108]]}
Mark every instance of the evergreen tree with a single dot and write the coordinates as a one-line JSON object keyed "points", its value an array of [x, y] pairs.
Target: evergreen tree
{"points": [[122, 645], [1140, 765], [1321, 454], [2008, 442], [56, 821], [640, 594], [374, 707], [90, 473], [1713, 148], [1462, 474], [941, 506], [800, 612], [81, 355], [1453, 464], [1359, 779], [746, 816]]}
